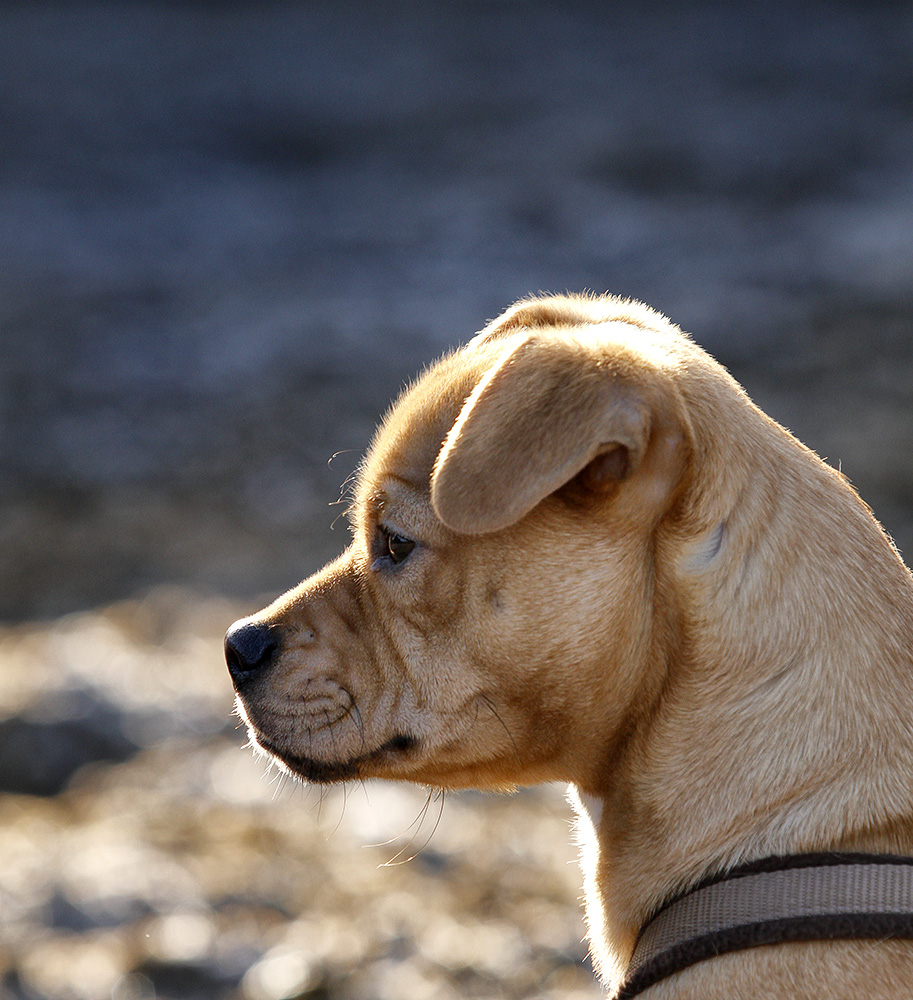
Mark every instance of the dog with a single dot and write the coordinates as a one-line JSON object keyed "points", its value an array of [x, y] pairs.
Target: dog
{"points": [[581, 553]]}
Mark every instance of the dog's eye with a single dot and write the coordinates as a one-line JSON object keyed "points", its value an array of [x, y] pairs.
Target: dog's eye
{"points": [[399, 547], [395, 546]]}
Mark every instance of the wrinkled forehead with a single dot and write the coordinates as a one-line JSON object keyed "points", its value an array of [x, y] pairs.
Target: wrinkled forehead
{"points": [[409, 440]]}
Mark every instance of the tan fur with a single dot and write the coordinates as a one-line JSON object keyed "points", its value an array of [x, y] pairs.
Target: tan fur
{"points": [[627, 578]]}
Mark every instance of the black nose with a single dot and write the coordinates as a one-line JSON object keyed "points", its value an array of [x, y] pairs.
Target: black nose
{"points": [[249, 648]]}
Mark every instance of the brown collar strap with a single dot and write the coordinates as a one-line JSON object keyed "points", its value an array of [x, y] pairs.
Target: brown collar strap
{"points": [[807, 897]]}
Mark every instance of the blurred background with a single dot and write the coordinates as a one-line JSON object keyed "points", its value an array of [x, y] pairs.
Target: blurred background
{"points": [[230, 232]]}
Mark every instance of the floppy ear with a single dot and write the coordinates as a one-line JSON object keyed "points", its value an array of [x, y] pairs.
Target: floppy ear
{"points": [[546, 411]]}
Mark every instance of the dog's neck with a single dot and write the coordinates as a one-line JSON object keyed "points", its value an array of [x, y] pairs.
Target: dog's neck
{"points": [[771, 741]]}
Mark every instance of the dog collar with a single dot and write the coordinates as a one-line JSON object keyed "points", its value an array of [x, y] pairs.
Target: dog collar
{"points": [[808, 897]]}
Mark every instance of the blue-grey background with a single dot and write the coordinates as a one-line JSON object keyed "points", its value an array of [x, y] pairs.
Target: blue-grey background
{"points": [[231, 230], [229, 233]]}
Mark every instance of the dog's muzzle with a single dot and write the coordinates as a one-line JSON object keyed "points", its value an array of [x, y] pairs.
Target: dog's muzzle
{"points": [[251, 648]]}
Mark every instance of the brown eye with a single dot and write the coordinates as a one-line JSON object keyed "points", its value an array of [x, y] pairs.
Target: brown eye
{"points": [[397, 546]]}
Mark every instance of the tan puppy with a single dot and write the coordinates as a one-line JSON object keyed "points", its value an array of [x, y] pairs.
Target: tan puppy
{"points": [[582, 554]]}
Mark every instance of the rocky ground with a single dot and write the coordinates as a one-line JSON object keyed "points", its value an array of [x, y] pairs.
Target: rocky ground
{"points": [[230, 232]]}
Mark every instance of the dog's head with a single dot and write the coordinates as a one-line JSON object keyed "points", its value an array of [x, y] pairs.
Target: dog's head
{"points": [[498, 618]]}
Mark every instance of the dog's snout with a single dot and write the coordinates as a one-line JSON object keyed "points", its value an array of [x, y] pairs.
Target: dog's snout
{"points": [[249, 648]]}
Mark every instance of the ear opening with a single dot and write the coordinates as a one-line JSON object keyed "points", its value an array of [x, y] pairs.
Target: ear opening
{"points": [[606, 470], [547, 411]]}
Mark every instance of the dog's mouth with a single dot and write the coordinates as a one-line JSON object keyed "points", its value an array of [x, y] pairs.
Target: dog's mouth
{"points": [[328, 772]]}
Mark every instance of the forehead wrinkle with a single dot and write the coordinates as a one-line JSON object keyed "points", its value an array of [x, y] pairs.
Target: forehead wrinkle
{"points": [[405, 500], [402, 503]]}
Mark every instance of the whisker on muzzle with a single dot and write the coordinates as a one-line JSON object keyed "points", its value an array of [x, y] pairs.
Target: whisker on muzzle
{"points": [[355, 715], [342, 812], [491, 705], [398, 858]]}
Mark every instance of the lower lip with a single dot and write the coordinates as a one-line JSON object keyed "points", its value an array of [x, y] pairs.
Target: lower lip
{"points": [[323, 772]]}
